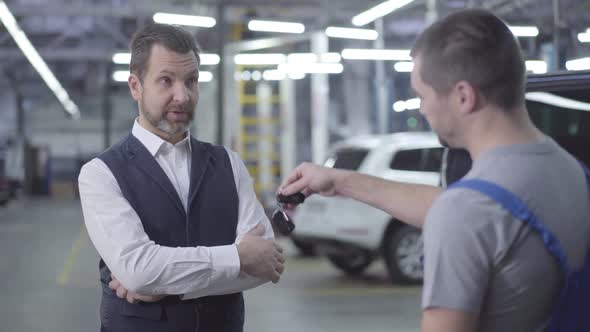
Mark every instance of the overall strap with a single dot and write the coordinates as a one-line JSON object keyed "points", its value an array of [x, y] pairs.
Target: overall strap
{"points": [[520, 211]]}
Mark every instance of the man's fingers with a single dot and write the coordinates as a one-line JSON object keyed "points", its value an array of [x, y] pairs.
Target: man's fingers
{"points": [[279, 248], [275, 277], [121, 292], [280, 268], [280, 258], [131, 298], [114, 284]]}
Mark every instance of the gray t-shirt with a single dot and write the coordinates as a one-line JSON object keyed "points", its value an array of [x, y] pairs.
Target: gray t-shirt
{"points": [[477, 258]]}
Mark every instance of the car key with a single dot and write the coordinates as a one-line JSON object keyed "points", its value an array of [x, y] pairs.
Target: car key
{"points": [[294, 199], [281, 220]]}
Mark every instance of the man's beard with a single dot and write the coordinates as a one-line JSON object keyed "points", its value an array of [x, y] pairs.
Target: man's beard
{"points": [[169, 127]]}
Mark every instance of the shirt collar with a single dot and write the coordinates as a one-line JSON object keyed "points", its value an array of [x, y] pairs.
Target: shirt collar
{"points": [[154, 142]]}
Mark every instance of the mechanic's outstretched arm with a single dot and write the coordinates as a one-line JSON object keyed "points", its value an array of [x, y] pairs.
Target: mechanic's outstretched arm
{"points": [[404, 201]]}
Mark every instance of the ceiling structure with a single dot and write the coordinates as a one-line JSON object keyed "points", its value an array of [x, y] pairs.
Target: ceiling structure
{"points": [[77, 38]]}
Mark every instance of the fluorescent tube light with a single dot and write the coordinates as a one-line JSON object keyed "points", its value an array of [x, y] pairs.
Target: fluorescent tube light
{"points": [[260, 59], [205, 76], [584, 37], [578, 64], [331, 57], [36, 61], [555, 100], [276, 26], [274, 75], [207, 59], [536, 66], [524, 31], [403, 66], [374, 54], [378, 11], [302, 58], [123, 76], [122, 58], [313, 68], [190, 20], [403, 105], [351, 33], [296, 75]]}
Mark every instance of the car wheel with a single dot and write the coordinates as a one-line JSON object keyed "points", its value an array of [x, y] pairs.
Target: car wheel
{"points": [[403, 254], [353, 264]]}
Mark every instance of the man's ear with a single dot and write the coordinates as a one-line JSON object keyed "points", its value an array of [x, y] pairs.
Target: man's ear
{"points": [[466, 97], [135, 86]]}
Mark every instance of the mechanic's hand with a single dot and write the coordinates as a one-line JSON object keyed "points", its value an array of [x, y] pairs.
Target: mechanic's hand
{"points": [[131, 297], [309, 179], [260, 257]]}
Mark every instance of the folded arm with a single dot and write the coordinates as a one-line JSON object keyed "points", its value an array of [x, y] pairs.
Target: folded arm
{"points": [[141, 265]]}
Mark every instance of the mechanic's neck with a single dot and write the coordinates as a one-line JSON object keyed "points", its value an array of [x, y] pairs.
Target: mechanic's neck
{"points": [[495, 127], [172, 139]]}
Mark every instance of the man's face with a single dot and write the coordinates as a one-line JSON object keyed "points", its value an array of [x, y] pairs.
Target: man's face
{"points": [[436, 108], [169, 92]]}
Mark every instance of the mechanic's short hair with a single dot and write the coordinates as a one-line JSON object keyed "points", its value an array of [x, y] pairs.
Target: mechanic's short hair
{"points": [[172, 37], [476, 46]]}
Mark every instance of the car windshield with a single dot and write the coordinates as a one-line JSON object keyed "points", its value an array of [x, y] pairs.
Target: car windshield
{"points": [[350, 158]]}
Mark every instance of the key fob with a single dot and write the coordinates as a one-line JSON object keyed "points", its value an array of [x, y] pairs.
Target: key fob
{"points": [[294, 199], [282, 222]]}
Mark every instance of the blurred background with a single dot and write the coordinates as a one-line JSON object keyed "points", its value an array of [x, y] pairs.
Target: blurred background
{"points": [[282, 82]]}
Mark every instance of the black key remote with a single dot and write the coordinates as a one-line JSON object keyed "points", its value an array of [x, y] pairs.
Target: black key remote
{"points": [[282, 222], [294, 199]]}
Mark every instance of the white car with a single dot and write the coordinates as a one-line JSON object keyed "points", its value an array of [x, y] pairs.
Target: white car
{"points": [[352, 234]]}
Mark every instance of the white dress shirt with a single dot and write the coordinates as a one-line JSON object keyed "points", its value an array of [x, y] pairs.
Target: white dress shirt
{"points": [[147, 268]]}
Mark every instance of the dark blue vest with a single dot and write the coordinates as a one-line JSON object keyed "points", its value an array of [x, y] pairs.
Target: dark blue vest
{"points": [[211, 220]]}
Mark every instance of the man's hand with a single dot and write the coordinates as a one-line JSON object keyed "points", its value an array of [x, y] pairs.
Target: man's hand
{"points": [[309, 179], [260, 257], [131, 297]]}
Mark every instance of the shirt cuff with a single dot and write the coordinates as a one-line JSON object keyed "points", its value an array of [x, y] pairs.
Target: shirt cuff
{"points": [[225, 263]]}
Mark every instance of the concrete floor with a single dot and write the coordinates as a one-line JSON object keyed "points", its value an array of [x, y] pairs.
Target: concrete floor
{"points": [[49, 283]]}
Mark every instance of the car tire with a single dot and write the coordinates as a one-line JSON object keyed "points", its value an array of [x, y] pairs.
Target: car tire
{"points": [[354, 264], [403, 254]]}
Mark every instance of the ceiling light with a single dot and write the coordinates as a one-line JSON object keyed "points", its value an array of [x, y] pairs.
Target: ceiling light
{"points": [[302, 58], [403, 66], [351, 33], [403, 105], [190, 20], [296, 75], [122, 58], [524, 31], [274, 75], [584, 37], [206, 58], [536, 66], [374, 54], [260, 59], [578, 64], [275, 26], [378, 11], [36, 61], [205, 76], [123, 76], [331, 57], [313, 68]]}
